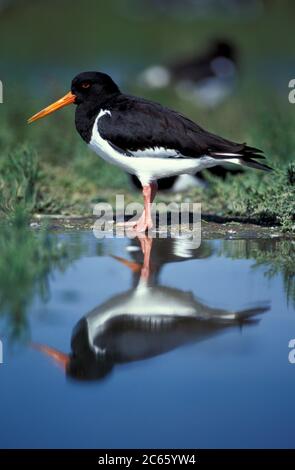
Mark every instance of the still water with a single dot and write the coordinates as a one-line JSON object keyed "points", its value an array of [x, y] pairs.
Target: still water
{"points": [[154, 343]]}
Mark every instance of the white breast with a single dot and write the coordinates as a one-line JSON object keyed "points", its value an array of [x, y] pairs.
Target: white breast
{"points": [[148, 164]]}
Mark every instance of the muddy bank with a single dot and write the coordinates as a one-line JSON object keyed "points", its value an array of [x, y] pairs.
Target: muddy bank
{"points": [[212, 227]]}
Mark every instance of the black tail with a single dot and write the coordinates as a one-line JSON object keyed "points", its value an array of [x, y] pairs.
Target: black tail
{"points": [[241, 154]]}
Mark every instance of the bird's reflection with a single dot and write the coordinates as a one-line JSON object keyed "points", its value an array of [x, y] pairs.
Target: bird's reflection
{"points": [[147, 320]]}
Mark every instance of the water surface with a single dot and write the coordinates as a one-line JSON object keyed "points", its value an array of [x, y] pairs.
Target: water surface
{"points": [[174, 347]]}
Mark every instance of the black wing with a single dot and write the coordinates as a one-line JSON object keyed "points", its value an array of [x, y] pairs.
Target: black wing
{"points": [[137, 124]]}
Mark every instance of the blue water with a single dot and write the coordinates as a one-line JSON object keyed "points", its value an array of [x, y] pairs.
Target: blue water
{"points": [[210, 379]]}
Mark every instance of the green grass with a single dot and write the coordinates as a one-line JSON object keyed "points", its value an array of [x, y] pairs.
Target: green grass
{"points": [[267, 200]]}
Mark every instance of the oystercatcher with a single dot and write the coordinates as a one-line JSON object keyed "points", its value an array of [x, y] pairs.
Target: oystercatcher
{"points": [[144, 138], [207, 78]]}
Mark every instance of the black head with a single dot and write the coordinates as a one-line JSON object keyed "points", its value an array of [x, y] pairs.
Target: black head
{"points": [[88, 367], [223, 48], [84, 363], [92, 91], [89, 88], [93, 87]]}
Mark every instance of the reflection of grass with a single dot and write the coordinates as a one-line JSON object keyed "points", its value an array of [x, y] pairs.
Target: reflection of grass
{"points": [[26, 262], [276, 257]]}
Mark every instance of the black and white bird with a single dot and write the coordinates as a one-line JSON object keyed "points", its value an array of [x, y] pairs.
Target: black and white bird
{"points": [[144, 138], [206, 79]]}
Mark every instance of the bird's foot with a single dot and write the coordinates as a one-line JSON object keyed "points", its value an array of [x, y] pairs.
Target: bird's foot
{"points": [[143, 225], [127, 223], [140, 225], [132, 223]]}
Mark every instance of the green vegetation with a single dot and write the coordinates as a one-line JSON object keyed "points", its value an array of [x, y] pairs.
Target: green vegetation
{"points": [[260, 199]]}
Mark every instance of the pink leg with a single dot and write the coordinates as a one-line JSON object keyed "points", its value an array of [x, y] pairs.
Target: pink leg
{"points": [[145, 222]]}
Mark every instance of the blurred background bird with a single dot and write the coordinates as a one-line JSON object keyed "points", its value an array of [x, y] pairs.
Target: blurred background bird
{"points": [[207, 78]]}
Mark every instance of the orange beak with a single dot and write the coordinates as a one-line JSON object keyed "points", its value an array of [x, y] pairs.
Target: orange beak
{"points": [[64, 101], [58, 357]]}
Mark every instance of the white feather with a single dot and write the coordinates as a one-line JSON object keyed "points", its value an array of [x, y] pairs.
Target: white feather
{"points": [[161, 152], [228, 154]]}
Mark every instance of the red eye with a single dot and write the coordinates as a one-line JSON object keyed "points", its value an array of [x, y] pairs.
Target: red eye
{"points": [[85, 85]]}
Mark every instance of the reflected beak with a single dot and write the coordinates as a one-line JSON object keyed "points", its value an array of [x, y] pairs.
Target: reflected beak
{"points": [[69, 98], [58, 357], [135, 267]]}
